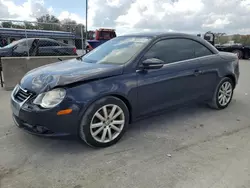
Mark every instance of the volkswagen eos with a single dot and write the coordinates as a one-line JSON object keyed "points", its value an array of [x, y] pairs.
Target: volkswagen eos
{"points": [[97, 95]]}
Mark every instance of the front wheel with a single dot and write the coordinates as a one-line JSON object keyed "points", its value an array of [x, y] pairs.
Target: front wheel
{"points": [[223, 94], [104, 122]]}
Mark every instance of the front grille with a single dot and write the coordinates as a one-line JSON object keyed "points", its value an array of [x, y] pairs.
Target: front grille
{"points": [[21, 94]]}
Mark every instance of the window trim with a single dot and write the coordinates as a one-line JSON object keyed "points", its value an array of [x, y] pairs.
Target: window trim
{"points": [[196, 58], [167, 38], [205, 47]]}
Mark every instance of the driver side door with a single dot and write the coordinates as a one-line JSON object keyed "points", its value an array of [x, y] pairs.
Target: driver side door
{"points": [[172, 84]]}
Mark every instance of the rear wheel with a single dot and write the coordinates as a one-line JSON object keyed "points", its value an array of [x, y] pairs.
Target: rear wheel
{"points": [[104, 122], [223, 94], [239, 53], [246, 55]]}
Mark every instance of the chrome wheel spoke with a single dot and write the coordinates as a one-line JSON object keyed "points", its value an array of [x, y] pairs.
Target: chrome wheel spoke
{"points": [[109, 134], [104, 133], [111, 114], [98, 131], [229, 91], [105, 112], [223, 87], [117, 114], [224, 100], [220, 100], [227, 85], [220, 96], [96, 125], [99, 116], [118, 122], [115, 128]]}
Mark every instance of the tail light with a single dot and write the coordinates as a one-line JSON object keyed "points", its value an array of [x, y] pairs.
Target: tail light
{"points": [[74, 50]]}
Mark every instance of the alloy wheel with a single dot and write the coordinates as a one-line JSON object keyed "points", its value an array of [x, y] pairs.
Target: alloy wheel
{"points": [[225, 93], [107, 123]]}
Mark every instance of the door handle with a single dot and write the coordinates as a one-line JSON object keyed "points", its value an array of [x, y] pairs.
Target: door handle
{"points": [[197, 72]]}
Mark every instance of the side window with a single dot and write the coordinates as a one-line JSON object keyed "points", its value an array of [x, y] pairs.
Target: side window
{"points": [[105, 35], [23, 46], [201, 50], [46, 43], [172, 50]]}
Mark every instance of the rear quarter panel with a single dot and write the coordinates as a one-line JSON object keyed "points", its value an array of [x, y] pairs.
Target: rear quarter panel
{"points": [[229, 66], [217, 66]]}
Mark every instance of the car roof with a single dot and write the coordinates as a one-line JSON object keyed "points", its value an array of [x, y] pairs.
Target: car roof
{"points": [[158, 34], [174, 34], [41, 39]]}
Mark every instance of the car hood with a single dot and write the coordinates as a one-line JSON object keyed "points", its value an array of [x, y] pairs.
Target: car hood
{"points": [[5, 52], [47, 77]]}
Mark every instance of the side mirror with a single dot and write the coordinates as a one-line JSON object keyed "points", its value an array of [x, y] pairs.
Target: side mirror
{"points": [[152, 63]]}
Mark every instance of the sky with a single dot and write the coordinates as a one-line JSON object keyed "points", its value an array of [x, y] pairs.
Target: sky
{"points": [[129, 16]]}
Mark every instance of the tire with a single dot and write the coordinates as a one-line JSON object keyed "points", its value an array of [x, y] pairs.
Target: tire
{"points": [[92, 123], [216, 101], [239, 53], [246, 55]]}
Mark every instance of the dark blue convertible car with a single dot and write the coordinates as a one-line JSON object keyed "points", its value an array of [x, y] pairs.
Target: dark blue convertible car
{"points": [[97, 95]]}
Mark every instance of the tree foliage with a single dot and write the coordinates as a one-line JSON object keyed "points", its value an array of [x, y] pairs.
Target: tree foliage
{"points": [[237, 38], [6, 24], [49, 22]]}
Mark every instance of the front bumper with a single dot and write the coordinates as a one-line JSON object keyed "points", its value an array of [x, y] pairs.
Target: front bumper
{"points": [[46, 122], [36, 129]]}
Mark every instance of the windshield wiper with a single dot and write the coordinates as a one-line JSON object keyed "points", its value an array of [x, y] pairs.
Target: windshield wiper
{"points": [[80, 57]]}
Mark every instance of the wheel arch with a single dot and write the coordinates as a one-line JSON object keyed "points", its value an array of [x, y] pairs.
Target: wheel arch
{"points": [[127, 103], [232, 77], [116, 95]]}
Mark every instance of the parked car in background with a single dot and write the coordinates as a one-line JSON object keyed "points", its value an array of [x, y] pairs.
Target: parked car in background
{"points": [[37, 47], [97, 95]]}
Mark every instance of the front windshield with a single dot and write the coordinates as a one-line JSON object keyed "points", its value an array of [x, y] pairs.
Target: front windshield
{"points": [[13, 43], [117, 51]]}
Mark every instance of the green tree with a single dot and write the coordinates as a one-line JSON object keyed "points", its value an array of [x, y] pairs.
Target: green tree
{"points": [[13, 25], [223, 39], [236, 38], [219, 38], [6, 24], [245, 39], [48, 22], [72, 26], [29, 25], [68, 25]]}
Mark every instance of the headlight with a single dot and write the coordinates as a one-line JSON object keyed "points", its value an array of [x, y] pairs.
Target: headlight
{"points": [[51, 98]]}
